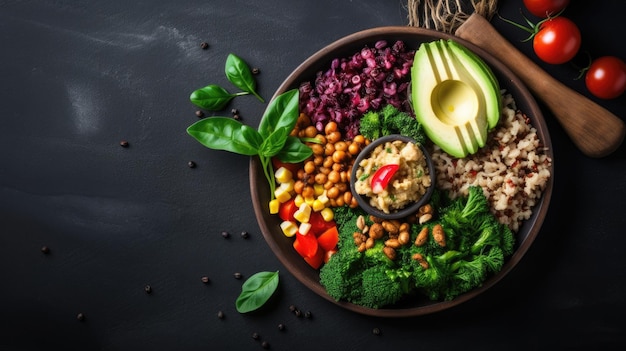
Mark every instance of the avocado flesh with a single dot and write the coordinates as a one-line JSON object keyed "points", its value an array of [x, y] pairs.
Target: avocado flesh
{"points": [[455, 97]]}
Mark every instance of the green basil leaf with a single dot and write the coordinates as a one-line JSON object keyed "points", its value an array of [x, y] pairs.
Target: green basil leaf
{"points": [[212, 97], [274, 143], [256, 291], [223, 133], [294, 151], [282, 111], [238, 72]]}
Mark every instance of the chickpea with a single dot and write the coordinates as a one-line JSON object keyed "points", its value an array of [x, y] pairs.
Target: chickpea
{"points": [[308, 191], [309, 167], [334, 177], [318, 160], [339, 156], [345, 176], [342, 187], [354, 149], [332, 193], [321, 138], [359, 139], [341, 146], [347, 197], [300, 174], [340, 201], [328, 162], [328, 185], [317, 149], [321, 178], [329, 148], [298, 186], [337, 167], [310, 132], [333, 137], [324, 170], [330, 127]]}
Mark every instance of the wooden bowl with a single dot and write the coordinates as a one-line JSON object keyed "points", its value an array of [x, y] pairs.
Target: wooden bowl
{"points": [[346, 46]]}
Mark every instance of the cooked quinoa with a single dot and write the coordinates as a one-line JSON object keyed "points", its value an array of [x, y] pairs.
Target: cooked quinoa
{"points": [[512, 168]]}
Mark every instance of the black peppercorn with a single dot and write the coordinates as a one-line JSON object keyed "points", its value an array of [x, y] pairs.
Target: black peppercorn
{"points": [[256, 71], [308, 314], [80, 317], [124, 143], [45, 250], [147, 289], [297, 313], [255, 336], [200, 114], [245, 235], [292, 308], [237, 275], [225, 234], [205, 280], [191, 164], [281, 326], [376, 331], [265, 345], [234, 111], [204, 45], [220, 315]]}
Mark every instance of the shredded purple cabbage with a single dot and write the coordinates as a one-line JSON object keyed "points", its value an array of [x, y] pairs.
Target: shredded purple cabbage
{"points": [[368, 80]]}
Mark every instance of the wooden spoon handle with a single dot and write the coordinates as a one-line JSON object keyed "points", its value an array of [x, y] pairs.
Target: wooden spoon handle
{"points": [[596, 131]]}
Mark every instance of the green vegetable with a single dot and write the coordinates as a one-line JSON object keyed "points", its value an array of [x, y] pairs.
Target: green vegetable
{"points": [[256, 290], [271, 139], [238, 73], [476, 248], [214, 97], [390, 120]]}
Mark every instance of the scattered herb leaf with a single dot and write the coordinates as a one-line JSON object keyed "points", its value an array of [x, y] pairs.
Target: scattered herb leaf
{"points": [[238, 72], [256, 290]]}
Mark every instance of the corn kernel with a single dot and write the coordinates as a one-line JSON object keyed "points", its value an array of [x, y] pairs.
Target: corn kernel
{"points": [[318, 205], [298, 200], [282, 195], [288, 185], [303, 213], [283, 175], [274, 206], [328, 214], [289, 228], [318, 189], [323, 198], [304, 228], [309, 200]]}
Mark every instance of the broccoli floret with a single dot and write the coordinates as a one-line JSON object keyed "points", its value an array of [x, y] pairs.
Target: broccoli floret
{"points": [[390, 120], [341, 275], [370, 125], [383, 286]]}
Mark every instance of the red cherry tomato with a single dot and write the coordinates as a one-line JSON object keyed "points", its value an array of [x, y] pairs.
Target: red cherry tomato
{"points": [[328, 239], [382, 176], [545, 8], [317, 260], [606, 77], [306, 245], [318, 224], [287, 209], [557, 41]]}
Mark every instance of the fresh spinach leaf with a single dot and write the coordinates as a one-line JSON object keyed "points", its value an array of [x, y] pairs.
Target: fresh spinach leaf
{"points": [[256, 290], [223, 133], [212, 97], [282, 111], [274, 143], [294, 151], [238, 72]]}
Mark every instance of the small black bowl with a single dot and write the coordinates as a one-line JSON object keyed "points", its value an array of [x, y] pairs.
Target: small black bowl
{"points": [[363, 200]]}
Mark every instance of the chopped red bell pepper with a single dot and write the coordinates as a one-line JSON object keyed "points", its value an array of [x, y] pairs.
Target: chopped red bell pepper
{"points": [[306, 245], [329, 239], [382, 176], [287, 209]]}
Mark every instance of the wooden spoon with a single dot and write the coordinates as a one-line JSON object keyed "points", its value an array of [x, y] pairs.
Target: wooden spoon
{"points": [[596, 131]]}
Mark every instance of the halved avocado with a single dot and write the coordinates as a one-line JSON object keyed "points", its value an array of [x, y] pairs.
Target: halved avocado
{"points": [[455, 96]]}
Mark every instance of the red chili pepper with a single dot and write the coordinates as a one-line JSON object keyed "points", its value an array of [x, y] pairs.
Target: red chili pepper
{"points": [[382, 176]]}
